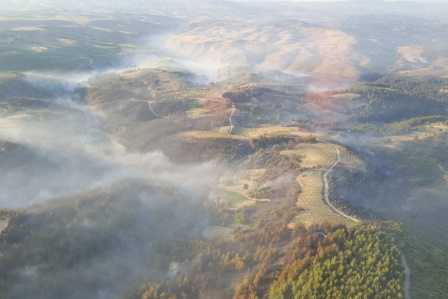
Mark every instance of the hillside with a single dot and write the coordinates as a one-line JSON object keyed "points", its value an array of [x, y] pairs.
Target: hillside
{"points": [[223, 149]]}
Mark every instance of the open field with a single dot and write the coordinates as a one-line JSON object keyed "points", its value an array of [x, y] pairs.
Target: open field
{"points": [[319, 159], [197, 112], [323, 155], [316, 158], [277, 130], [320, 155], [212, 134], [6, 76], [243, 182], [229, 198], [311, 202], [190, 93]]}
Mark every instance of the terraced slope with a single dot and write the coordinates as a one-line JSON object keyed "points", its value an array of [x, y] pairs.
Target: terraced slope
{"points": [[320, 159]]}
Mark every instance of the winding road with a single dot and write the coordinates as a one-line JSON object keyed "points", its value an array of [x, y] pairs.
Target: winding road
{"points": [[407, 278], [152, 92], [407, 271], [442, 169], [90, 59], [326, 187], [230, 119], [150, 107], [153, 111]]}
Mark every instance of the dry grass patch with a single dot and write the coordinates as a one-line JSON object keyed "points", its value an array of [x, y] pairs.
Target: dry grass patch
{"points": [[211, 134], [318, 158], [68, 42], [317, 155], [198, 112], [39, 49], [396, 140], [231, 199], [345, 96], [29, 28], [235, 187], [6, 76], [242, 181], [271, 131], [81, 20]]}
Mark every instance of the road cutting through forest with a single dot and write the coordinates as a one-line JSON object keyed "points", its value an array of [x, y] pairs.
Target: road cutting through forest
{"points": [[230, 119], [326, 187], [407, 270]]}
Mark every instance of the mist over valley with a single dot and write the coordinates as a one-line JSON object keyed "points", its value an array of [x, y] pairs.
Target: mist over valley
{"points": [[223, 149]]}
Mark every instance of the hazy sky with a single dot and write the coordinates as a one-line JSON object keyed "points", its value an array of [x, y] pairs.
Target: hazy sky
{"points": [[424, 1]]}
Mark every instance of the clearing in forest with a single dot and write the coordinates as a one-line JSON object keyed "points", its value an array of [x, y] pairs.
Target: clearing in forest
{"points": [[230, 199]]}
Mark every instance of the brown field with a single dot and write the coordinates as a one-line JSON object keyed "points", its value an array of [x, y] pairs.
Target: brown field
{"points": [[310, 201]]}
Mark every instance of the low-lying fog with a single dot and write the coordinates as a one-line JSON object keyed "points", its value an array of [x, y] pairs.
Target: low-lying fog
{"points": [[61, 149]]}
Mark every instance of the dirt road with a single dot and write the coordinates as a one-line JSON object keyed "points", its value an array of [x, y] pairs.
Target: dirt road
{"points": [[230, 119], [407, 278], [442, 169], [326, 188]]}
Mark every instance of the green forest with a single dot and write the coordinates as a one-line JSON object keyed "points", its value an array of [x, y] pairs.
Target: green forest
{"points": [[357, 263], [321, 262]]}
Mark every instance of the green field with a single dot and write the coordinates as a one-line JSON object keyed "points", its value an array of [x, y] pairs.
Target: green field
{"points": [[230, 198]]}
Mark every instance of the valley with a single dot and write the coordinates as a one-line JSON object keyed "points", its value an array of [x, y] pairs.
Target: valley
{"points": [[254, 154]]}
